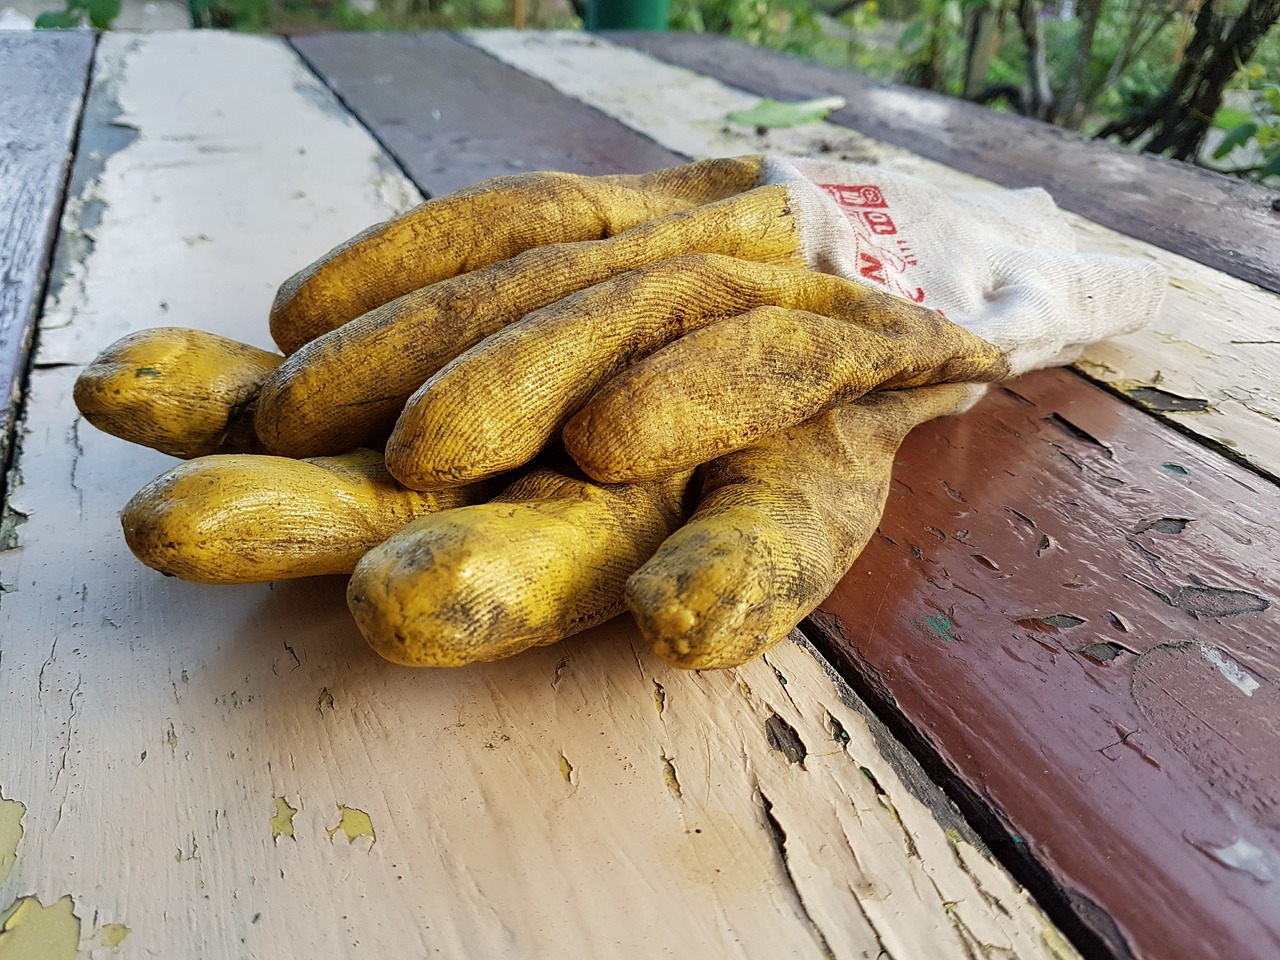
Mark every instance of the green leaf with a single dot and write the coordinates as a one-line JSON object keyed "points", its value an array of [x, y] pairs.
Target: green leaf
{"points": [[102, 13], [1236, 137], [1272, 169], [1229, 117], [912, 34], [772, 113], [57, 20]]}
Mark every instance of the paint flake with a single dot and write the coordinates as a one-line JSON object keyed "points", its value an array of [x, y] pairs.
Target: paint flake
{"points": [[1235, 674], [113, 934], [354, 823], [1247, 857], [11, 814], [31, 930], [282, 822]]}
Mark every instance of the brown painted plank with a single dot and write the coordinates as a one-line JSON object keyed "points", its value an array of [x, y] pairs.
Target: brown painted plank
{"points": [[452, 115], [42, 83], [1214, 219], [1074, 610]]}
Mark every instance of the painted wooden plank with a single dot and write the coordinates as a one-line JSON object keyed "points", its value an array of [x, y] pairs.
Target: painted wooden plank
{"points": [[1205, 365], [42, 81], [202, 772], [1076, 612], [469, 115], [1213, 219]]}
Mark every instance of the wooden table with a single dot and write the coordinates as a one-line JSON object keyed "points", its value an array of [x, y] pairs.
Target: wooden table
{"points": [[1039, 717]]}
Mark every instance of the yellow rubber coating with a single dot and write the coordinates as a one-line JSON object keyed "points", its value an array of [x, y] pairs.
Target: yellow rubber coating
{"points": [[499, 403], [347, 388], [248, 519], [546, 559], [183, 392], [482, 225], [778, 526], [723, 387]]}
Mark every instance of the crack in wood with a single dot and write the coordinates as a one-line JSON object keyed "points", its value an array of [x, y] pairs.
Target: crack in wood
{"points": [[779, 837]]}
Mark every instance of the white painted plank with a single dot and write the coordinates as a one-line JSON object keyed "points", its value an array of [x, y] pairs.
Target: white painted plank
{"points": [[1216, 339], [229, 772]]}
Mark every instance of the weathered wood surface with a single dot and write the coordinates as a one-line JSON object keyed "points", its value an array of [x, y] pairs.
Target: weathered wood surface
{"points": [[1217, 220], [451, 115], [1092, 726], [1205, 365], [203, 772], [42, 81], [1077, 610]]}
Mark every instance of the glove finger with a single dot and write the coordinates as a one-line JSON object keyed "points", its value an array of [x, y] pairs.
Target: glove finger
{"points": [[250, 519], [346, 389], [544, 560], [723, 387], [183, 392], [498, 404], [481, 225], [779, 524]]}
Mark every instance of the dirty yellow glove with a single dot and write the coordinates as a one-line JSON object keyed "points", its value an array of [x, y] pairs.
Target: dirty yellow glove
{"points": [[778, 525], [671, 365], [368, 323], [246, 518], [548, 557]]}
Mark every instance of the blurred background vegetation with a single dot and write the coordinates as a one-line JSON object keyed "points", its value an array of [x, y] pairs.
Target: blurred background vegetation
{"points": [[1197, 80]]}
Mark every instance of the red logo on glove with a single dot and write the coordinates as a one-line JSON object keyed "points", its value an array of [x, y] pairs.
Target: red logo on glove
{"points": [[868, 212]]}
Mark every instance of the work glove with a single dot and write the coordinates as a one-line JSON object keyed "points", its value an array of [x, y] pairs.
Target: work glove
{"points": [[369, 322], [782, 515], [776, 526], [1037, 305]]}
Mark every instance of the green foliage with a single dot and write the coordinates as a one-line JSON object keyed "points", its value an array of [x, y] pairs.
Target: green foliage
{"points": [[789, 25], [99, 14], [1252, 134], [291, 16]]}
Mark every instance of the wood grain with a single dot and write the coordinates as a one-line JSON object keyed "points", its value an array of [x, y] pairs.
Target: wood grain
{"points": [[451, 115], [228, 773], [1075, 611], [42, 83], [1211, 218]]}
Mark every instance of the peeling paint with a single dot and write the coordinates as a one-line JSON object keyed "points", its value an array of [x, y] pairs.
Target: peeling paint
{"points": [[32, 931], [355, 823], [941, 626], [282, 822], [659, 697], [11, 814], [1247, 857], [784, 738], [1162, 401], [566, 769], [1103, 652], [669, 775], [1063, 621], [10, 521], [113, 934], [1235, 674], [1169, 525]]}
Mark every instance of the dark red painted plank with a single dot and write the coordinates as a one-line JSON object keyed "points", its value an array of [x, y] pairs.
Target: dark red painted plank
{"points": [[452, 115], [1214, 219], [1075, 610], [42, 83]]}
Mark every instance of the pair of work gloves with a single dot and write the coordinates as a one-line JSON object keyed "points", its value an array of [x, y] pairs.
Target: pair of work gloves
{"points": [[521, 408]]}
